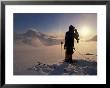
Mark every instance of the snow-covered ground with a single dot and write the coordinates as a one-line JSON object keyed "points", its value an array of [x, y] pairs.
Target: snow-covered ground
{"points": [[47, 60], [79, 67]]}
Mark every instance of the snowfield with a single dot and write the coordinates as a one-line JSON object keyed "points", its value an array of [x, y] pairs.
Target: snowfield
{"points": [[48, 60], [36, 53]]}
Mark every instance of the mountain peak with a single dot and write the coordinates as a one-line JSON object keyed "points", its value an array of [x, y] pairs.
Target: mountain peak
{"points": [[30, 33], [33, 29]]}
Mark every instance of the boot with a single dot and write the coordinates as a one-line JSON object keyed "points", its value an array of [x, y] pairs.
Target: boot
{"points": [[66, 60], [70, 60]]}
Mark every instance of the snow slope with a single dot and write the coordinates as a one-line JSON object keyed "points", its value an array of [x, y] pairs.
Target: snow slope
{"points": [[79, 67]]}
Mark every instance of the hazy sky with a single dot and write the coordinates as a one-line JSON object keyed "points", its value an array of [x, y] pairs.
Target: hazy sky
{"points": [[56, 23]]}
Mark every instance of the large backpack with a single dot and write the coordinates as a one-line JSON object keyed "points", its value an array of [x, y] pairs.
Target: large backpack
{"points": [[76, 34]]}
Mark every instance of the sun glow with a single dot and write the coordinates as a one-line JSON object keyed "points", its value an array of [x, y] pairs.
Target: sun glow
{"points": [[85, 32]]}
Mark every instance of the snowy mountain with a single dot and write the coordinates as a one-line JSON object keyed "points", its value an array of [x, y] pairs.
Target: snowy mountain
{"points": [[35, 38], [94, 38]]}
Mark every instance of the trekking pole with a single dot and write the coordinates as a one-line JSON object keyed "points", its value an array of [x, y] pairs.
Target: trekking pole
{"points": [[61, 47]]}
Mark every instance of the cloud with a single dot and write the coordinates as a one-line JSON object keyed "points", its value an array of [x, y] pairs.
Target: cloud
{"points": [[93, 38]]}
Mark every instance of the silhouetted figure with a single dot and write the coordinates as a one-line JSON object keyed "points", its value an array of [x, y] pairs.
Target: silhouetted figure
{"points": [[69, 42]]}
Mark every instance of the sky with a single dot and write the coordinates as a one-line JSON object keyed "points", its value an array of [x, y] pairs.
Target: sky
{"points": [[57, 23]]}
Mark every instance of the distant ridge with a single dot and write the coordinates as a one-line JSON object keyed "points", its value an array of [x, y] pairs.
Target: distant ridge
{"points": [[34, 37], [93, 38]]}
